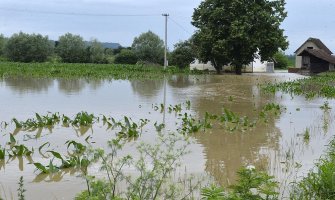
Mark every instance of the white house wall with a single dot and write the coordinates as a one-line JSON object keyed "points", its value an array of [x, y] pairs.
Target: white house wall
{"points": [[256, 66], [298, 59]]}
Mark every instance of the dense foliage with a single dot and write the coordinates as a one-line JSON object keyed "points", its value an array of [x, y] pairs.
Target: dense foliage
{"points": [[71, 48], [2, 44], [234, 31], [281, 60], [183, 54], [24, 47], [96, 52], [126, 56], [149, 48]]}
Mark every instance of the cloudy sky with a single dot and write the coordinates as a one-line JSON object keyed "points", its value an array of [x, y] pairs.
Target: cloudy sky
{"points": [[101, 19]]}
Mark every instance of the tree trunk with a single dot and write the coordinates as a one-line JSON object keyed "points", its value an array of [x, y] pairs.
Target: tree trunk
{"points": [[218, 70], [238, 69]]}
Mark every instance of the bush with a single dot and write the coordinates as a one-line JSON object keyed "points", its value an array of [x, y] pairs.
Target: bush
{"points": [[72, 49], [24, 47], [182, 55], [281, 61], [126, 57]]}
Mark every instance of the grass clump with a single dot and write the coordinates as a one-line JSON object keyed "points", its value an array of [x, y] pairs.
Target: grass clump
{"points": [[252, 185], [319, 183]]}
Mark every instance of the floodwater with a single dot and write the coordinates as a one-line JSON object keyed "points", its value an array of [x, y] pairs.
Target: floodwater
{"points": [[277, 146]]}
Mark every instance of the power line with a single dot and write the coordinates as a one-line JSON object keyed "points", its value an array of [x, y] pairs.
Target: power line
{"points": [[78, 14], [180, 26]]}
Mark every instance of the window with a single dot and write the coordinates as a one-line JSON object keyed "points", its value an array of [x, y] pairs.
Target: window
{"points": [[309, 47]]}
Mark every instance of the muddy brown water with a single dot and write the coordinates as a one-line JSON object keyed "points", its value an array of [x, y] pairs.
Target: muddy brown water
{"points": [[276, 146]]}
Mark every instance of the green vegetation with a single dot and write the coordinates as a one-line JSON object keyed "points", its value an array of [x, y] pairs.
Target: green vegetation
{"points": [[67, 70], [291, 60], [3, 41], [126, 56], [281, 60], [149, 48], [21, 190], [71, 48], [252, 185], [246, 27], [96, 52], [183, 54], [24, 47], [316, 86], [319, 182]]}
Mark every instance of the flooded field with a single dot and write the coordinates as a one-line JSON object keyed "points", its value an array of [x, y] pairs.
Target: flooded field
{"points": [[280, 144]]}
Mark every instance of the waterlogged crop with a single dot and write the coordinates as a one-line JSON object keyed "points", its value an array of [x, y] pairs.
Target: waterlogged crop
{"points": [[98, 71], [316, 86]]}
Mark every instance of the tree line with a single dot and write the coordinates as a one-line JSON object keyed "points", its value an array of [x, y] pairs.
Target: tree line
{"points": [[147, 48], [228, 32]]}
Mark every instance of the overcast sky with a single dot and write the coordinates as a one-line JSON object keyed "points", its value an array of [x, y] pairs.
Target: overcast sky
{"points": [[306, 18]]}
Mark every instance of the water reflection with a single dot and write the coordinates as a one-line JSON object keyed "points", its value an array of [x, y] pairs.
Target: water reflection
{"points": [[28, 84], [71, 86], [264, 145], [147, 89], [226, 151]]}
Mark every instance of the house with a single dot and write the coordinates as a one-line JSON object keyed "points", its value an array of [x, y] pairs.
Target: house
{"points": [[313, 56], [256, 66]]}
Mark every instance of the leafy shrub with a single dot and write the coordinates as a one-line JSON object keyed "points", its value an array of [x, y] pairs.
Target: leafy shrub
{"points": [[281, 61], [126, 56], [182, 55]]}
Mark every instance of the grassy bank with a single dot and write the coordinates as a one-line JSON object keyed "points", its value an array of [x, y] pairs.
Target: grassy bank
{"points": [[322, 85], [71, 70]]}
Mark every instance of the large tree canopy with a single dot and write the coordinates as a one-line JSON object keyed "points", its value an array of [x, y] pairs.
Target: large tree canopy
{"points": [[149, 47], [24, 47], [71, 48], [237, 31]]}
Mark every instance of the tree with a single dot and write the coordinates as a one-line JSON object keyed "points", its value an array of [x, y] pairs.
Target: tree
{"points": [[24, 47], [183, 54], [149, 47], [126, 56], [96, 52], [2, 44], [281, 61], [71, 48], [237, 31]]}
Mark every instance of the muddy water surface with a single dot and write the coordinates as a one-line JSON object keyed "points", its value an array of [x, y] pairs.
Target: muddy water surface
{"points": [[277, 145]]}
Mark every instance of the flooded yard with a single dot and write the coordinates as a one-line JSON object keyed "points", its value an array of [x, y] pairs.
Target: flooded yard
{"points": [[279, 144]]}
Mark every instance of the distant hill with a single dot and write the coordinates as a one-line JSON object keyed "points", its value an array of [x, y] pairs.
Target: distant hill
{"points": [[109, 45]]}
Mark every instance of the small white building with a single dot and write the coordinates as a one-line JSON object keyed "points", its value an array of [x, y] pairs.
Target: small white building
{"points": [[256, 66]]}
